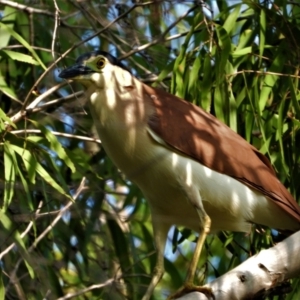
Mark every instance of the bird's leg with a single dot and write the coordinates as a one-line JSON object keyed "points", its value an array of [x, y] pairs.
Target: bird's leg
{"points": [[199, 245], [205, 224], [160, 236]]}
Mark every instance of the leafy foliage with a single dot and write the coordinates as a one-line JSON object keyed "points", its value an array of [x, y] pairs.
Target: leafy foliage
{"points": [[71, 225]]}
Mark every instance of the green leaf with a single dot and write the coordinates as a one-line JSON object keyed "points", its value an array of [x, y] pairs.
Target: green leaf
{"points": [[5, 118], [222, 56], [296, 122], [280, 125], [2, 287], [179, 72], [10, 176], [231, 20], [174, 273], [24, 181], [294, 97], [19, 56], [232, 112], [245, 39], [229, 239], [9, 16], [121, 248], [207, 82], [14, 233], [218, 102], [249, 120], [242, 52], [271, 79], [164, 73], [262, 34], [7, 90], [23, 42], [32, 166], [29, 160], [194, 74], [55, 145], [179, 83]]}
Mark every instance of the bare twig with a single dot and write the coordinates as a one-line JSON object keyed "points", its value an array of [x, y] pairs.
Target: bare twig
{"points": [[77, 45], [161, 38], [66, 135], [22, 46], [4, 252], [262, 73], [26, 8], [56, 24], [13, 276], [57, 102], [19, 115], [88, 289]]}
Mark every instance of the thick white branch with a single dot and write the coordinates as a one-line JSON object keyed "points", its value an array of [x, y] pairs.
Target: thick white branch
{"points": [[263, 271]]}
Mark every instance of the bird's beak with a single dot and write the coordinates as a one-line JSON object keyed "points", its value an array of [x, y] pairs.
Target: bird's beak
{"points": [[75, 71]]}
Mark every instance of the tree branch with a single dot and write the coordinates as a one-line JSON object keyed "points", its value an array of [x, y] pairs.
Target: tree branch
{"points": [[258, 274]]}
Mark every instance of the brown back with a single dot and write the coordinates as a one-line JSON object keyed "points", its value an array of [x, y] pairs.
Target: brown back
{"points": [[201, 136]]}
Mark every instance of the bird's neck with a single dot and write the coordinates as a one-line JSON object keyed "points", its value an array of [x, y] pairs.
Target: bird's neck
{"points": [[120, 114]]}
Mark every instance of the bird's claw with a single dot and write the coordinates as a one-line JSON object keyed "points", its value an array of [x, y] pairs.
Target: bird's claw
{"points": [[189, 288]]}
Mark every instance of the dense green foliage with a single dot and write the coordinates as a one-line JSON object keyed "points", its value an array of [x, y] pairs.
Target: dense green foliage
{"points": [[69, 220]]}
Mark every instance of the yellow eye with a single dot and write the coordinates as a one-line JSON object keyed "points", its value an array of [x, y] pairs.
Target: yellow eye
{"points": [[100, 63]]}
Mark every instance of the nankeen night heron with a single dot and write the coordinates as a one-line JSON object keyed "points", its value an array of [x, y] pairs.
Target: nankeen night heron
{"points": [[193, 170]]}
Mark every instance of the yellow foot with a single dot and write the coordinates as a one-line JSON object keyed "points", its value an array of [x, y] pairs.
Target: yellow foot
{"points": [[189, 288]]}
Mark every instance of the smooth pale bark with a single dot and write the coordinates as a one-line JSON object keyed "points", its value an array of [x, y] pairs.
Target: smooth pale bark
{"points": [[263, 271]]}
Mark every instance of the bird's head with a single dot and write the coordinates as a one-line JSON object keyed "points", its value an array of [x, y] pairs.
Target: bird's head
{"points": [[94, 68]]}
